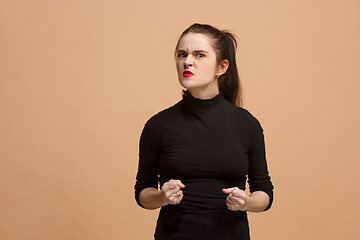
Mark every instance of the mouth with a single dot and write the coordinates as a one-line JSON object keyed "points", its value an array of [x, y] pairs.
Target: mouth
{"points": [[188, 73]]}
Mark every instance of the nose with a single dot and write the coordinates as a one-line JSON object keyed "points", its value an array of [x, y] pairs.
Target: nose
{"points": [[189, 61]]}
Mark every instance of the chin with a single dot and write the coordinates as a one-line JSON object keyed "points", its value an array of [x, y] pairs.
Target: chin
{"points": [[186, 83]]}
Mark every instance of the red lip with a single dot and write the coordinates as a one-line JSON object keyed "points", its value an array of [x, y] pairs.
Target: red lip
{"points": [[188, 73]]}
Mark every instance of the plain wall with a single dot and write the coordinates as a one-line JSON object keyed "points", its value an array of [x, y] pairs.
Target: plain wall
{"points": [[79, 78]]}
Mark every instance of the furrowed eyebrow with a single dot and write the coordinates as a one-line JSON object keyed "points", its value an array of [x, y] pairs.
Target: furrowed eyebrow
{"points": [[200, 51], [195, 51]]}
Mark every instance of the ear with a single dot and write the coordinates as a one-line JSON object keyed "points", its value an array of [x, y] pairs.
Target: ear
{"points": [[223, 66]]}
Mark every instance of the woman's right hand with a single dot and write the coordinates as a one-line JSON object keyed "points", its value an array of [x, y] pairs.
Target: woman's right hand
{"points": [[171, 191]]}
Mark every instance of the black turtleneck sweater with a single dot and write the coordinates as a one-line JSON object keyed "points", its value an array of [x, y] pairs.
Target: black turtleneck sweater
{"points": [[209, 145]]}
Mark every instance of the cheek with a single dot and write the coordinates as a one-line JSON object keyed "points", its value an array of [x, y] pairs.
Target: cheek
{"points": [[179, 66], [210, 65], [210, 69]]}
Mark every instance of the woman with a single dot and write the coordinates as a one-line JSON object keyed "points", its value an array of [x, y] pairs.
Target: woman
{"points": [[202, 149]]}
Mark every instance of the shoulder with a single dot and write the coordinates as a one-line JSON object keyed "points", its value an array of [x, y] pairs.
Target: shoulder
{"points": [[157, 120], [246, 117], [251, 118], [254, 128]]}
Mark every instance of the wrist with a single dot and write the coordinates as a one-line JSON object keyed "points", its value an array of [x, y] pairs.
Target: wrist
{"points": [[258, 201], [162, 198], [248, 203]]}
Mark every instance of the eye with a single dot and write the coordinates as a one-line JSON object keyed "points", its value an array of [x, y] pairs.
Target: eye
{"points": [[200, 55], [181, 55]]}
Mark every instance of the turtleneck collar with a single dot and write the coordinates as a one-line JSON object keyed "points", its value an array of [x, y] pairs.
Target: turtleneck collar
{"points": [[192, 103]]}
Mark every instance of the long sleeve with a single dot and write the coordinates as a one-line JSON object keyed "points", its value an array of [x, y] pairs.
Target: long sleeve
{"points": [[259, 179], [147, 175], [209, 145]]}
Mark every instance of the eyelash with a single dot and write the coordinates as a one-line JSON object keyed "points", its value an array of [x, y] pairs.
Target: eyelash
{"points": [[182, 55]]}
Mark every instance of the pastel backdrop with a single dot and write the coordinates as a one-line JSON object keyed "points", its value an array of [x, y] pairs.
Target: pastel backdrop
{"points": [[78, 80]]}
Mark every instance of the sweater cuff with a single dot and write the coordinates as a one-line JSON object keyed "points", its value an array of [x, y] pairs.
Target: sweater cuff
{"points": [[271, 198]]}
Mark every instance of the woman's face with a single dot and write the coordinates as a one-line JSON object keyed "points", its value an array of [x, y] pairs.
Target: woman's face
{"points": [[197, 66]]}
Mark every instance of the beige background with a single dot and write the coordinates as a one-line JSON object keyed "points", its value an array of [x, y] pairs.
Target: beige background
{"points": [[79, 78]]}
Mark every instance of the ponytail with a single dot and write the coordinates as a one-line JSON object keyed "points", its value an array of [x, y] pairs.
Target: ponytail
{"points": [[229, 82]]}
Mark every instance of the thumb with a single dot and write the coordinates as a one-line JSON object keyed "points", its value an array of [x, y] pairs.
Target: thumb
{"points": [[180, 184], [229, 190]]}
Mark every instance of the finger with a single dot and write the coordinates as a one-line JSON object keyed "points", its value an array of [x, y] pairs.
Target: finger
{"points": [[238, 197], [236, 200], [232, 207], [169, 185], [178, 194], [181, 197], [229, 190], [179, 183], [233, 201], [175, 190], [239, 193], [171, 192], [176, 199], [230, 200]]}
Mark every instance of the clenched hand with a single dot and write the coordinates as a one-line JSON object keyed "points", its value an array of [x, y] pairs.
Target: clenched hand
{"points": [[236, 200], [171, 191]]}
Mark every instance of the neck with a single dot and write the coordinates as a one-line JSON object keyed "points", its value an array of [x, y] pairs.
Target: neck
{"points": [[204, 93]]}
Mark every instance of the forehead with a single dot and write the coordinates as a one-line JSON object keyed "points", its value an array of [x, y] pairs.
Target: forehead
{"points": [[195, 41]]}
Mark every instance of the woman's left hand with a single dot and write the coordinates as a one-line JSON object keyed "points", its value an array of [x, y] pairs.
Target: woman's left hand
{"points": [[236, 200]]}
